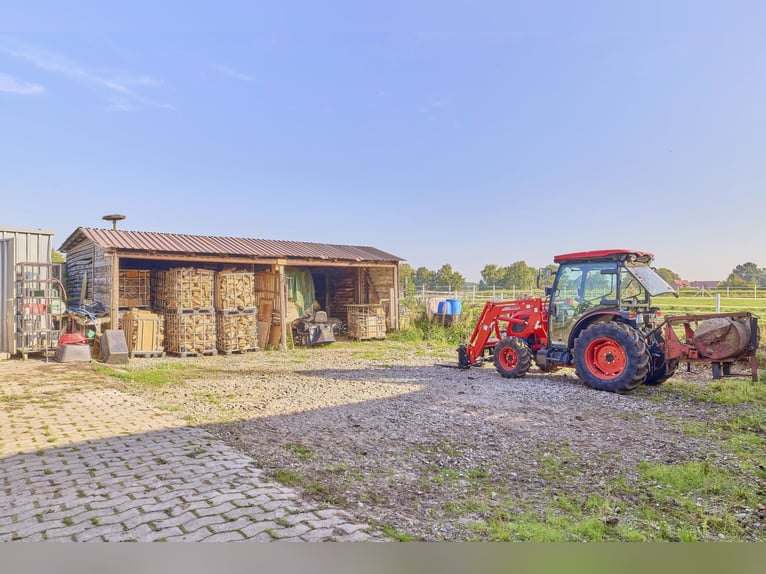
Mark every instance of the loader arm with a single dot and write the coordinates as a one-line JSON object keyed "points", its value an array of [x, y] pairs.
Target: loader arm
{"points": [[521, 318]]}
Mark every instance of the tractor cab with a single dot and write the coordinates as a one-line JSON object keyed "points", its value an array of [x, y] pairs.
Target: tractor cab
{"points": [[599, 285]]}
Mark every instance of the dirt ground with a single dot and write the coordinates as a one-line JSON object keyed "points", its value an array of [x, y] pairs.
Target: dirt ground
{"points": [[434, 453]]}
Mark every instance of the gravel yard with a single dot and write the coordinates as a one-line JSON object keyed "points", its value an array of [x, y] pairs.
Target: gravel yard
{"points": [[433, 453]]}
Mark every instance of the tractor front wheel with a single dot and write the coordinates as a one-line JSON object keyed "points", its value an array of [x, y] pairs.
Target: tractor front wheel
{"points": [[512, 357], [611, 357]]}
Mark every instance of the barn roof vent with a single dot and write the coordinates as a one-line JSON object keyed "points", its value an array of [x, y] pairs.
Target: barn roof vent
{"points": [[114, 218]]}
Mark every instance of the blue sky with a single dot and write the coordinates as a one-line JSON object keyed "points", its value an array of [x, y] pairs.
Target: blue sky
{"points": [[452, 132]]}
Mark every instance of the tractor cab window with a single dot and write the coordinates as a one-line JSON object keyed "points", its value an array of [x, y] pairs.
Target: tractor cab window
{"points": [[579, 288], [631, 291]]}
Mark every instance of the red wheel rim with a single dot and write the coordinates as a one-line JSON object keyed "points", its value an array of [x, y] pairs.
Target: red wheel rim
{"points": [[605, 358], [508, 358]]}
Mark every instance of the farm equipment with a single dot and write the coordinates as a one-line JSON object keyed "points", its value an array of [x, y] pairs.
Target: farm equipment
{"points": [[313, 329], [598, 317]]}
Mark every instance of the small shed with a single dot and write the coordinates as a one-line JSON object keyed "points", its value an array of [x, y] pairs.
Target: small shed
{"points": [[26, 275], [101, 262]]}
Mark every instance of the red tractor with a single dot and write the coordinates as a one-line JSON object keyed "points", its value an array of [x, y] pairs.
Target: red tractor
{"points": [[598, 317]]}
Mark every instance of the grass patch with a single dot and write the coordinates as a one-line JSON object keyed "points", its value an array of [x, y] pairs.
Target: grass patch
{"points": [[288, 477], [733, 391], [301, 451], [686, 478], [152, 376], [391, 532]]}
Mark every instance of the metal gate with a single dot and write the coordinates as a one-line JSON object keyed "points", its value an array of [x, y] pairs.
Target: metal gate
{"points": [[7, 339]]}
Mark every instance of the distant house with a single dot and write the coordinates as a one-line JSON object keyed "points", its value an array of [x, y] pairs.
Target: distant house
{"points": [[704, 284], [679, 284]]}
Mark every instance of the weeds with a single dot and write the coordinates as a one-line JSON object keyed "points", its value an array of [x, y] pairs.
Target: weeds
{"points": [[154, 376]]}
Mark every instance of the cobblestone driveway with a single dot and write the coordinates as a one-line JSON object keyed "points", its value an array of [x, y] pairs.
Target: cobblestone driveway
{"points": [[98, 464]]}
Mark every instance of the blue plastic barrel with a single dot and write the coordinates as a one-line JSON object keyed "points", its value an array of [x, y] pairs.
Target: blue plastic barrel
{"points": [[444, 308], [455, 306]]}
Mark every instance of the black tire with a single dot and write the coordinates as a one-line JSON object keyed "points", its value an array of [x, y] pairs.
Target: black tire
{"points": [[512, 357], [611, 357], [662, 372]]}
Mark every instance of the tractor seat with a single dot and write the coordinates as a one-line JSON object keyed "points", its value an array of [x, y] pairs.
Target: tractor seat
{"points": [[320, 317]]}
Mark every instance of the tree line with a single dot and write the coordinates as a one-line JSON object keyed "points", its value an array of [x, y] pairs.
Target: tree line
{"points": [[521, 275]]}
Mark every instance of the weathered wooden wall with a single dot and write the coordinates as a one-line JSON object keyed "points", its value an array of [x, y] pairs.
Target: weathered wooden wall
{"points": [[79, 264], [341, 285], [102, 277], [378, 284]]}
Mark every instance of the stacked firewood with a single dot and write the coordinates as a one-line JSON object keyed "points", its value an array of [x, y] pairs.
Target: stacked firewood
{"points": [[366, 322], [184, 288], [134, 287], [236, 332], [234, 291], [235, 305], [186, 297], [190, 333]]}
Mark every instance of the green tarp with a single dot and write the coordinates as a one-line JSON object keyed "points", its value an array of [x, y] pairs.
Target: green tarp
{"points": [[300, 288]]}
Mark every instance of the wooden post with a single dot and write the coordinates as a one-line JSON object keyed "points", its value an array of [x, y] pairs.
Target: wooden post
{"points": [[395, 300], [283, 308], [114, 303]]}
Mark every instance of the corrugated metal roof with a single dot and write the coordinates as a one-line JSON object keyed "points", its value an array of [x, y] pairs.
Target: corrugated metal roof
{"points": [[211, 245]]}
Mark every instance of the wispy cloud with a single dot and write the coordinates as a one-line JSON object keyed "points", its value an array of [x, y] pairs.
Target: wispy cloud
{"points": [[236, 74], [11, 85], [120, 88]]}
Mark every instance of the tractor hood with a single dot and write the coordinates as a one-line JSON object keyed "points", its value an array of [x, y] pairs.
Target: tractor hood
{"points": [[650, 279]]}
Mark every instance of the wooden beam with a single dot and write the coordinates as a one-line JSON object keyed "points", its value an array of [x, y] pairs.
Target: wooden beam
{"points": [[283, 308], [251, 260], [395, 300], [114, 303], [194, 258]]}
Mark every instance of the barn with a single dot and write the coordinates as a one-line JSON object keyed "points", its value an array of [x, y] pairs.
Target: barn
{"points": [[120, 270]]}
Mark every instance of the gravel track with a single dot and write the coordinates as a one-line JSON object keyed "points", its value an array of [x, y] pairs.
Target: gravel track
{"points": [[400, 441]]}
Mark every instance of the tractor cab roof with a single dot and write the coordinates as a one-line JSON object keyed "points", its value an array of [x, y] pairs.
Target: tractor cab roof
{"points": [[605, 255]]}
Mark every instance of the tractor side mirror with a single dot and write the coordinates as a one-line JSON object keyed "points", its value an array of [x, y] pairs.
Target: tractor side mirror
{"points": [[544, 279]]}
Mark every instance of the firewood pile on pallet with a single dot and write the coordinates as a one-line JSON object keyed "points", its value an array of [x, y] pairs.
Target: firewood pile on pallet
{"points": [[236, 332], [184, 288], [135, 287], [366, 322], [235, 302], [185, 295], [235, 291]]}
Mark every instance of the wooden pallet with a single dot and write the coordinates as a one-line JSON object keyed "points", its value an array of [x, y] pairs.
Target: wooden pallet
{"points": [[184, 354], [238, 351], [190, 311], [236, 311], [145, 354]]}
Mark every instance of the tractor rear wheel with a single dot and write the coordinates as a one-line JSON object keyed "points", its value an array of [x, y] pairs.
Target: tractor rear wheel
{"points": [[611, 357], [512, 357]]}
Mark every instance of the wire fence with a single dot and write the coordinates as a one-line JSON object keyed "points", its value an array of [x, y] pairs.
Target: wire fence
{"points": [[688, 300]]}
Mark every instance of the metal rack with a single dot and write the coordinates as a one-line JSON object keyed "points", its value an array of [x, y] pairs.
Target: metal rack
{"points": [[39, 308]]}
